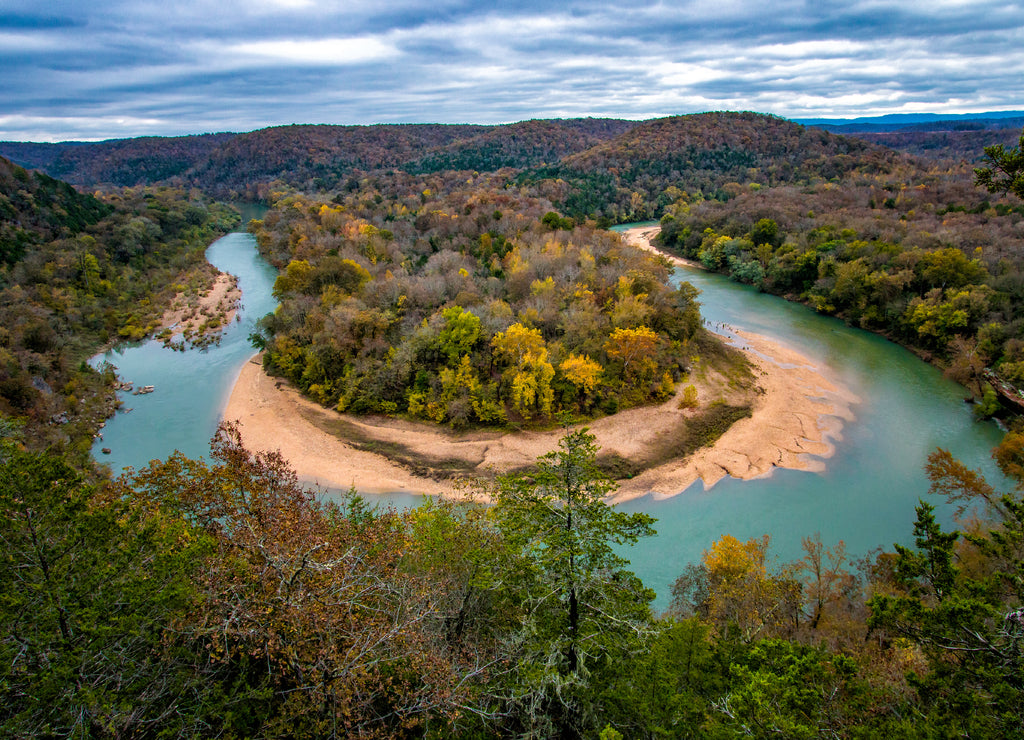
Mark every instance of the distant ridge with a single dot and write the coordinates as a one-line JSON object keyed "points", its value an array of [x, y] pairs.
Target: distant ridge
{"points": [[604, 160], [992, 120]]}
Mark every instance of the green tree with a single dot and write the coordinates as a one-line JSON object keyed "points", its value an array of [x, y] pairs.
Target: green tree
{"points": [[1005, 173], [460, 332], [782, 689], [766, 231], [581, 611], [665, 691], [969, 627], [90, 586]]}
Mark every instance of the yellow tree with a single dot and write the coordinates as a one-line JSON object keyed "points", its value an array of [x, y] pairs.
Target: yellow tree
{"points": [[516, 342], [531, 386], [529, 371], [740, 591], [634, 348], [583, 373], [294, 279]]}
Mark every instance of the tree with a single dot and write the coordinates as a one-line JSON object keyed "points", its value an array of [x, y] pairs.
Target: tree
{"points": [[90, 586], [766, 231], [783, 689], [460, 332], [295, 278], [969, 627], [315, 615], [732, 589], [1005, 173], [517, 342], [530, 373], [825, 578], [583, 373], [634, 347], [580, 609]]}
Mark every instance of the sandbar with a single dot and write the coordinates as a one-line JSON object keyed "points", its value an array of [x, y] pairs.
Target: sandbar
{"points": [[193, 318], [797, 414]]}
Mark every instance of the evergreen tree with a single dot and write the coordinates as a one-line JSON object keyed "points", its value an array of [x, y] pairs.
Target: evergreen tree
{"points": [[581, 611]]}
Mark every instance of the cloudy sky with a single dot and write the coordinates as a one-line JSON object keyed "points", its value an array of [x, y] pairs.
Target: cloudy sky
{"points": [[95, 69]]}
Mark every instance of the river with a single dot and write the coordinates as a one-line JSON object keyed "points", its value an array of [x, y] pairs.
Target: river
{"points": [[190, 388], [866, 495]]}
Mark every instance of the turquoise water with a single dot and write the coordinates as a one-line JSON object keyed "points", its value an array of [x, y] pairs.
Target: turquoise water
{"points": [[191, 388], [866, 496]]}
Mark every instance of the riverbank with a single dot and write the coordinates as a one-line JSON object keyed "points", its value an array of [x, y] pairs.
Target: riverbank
{"points": [[796, 415]]}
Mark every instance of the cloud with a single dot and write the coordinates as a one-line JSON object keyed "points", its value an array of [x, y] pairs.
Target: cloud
{"points": [[325, 51], [95, 70]]}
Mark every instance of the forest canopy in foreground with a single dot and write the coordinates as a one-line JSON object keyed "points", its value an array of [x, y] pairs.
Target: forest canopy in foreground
{"points": [[221, 598]]}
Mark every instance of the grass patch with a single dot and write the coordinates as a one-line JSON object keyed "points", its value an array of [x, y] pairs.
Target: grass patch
{"points": [[699, 431], [727, 360], [417, 464]]}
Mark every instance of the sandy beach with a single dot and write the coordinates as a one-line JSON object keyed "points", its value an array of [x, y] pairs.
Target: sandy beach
{"points": [[797, 416]]}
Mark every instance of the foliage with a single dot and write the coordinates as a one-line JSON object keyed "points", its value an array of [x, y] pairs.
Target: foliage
{"points": [[464, 313], [230, 165], [580, 611], [330, 616], [86, 271], [733, 590], [90, 586], [1005, 171], [960, 599], [634, 176], [920, 256]]}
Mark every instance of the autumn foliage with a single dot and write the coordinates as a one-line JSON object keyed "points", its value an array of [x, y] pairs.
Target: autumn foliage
{"points": [[458, 305]]}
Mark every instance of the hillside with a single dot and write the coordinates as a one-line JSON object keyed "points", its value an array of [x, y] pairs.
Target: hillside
{"points": [[626, 178], [957, 138], [519, 145], [121, 162], [963, 145], [35, 207], [320, 157], [76, 272], [598, 159]]}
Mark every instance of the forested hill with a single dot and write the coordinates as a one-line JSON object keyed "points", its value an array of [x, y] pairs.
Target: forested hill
{"points": [[122, 162], [602, 161], [35, 207], [524, 144], [959, 145], [615, 169], [628, 178], [961, 139], [318, 157]]}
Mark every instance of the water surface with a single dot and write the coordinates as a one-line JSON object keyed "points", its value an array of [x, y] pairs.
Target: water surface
{"points": [[191, 388]]}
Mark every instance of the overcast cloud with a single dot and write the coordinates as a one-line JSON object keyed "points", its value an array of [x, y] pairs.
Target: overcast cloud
{"points": [[83, 70]]}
